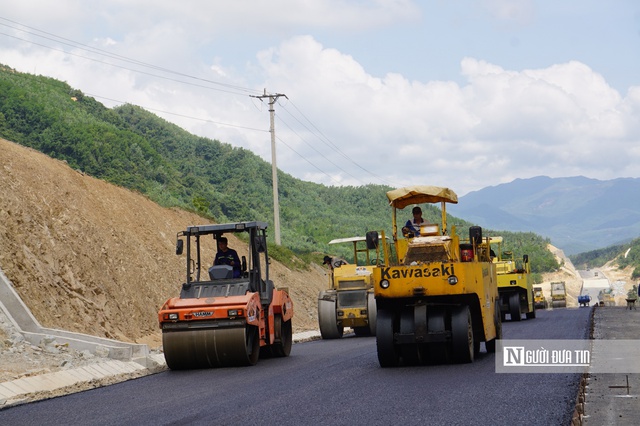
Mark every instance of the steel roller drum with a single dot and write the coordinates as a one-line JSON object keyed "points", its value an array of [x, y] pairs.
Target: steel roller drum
{"points": [[212, 347], [328, 320]]}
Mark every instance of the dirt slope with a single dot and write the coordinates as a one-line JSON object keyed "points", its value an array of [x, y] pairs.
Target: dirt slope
{"points": [[567, 273], [91, 257], [573, 281]]}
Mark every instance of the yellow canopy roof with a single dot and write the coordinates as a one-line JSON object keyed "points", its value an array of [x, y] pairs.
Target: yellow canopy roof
{"points": [[351, 240], [417, 194]]}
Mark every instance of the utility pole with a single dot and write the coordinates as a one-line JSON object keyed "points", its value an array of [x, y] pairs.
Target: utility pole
{"points": [[274, 167]]}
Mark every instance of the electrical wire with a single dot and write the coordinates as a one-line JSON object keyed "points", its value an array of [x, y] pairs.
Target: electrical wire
{"points": [[108, 54], [330, 144], [315, 149], [235, 90]]}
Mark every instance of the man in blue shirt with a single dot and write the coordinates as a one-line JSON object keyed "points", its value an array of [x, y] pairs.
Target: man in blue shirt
{"points": [[227, 256], [413, 225]]}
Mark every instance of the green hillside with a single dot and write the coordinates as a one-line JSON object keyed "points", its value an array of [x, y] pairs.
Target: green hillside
{"points": [[623, 255], [133, 148]]}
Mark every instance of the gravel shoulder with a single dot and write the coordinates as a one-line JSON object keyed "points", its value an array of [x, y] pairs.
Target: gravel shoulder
{"points": [[607, 399]]}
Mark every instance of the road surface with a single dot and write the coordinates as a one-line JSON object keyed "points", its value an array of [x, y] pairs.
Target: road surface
{"points": [[333, 382]]}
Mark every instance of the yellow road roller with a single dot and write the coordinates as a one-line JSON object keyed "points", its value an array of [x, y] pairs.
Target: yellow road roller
{"points": [[436, 298], [515, 282], [349, 300]]}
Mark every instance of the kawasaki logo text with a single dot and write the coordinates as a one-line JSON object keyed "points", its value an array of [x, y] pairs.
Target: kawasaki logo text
{"points": [[395, 273]]}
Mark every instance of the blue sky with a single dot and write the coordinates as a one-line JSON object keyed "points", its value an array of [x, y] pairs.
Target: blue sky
{"points": [[458, 93]]}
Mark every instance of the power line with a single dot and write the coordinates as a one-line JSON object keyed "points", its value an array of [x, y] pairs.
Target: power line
{"points": [[111, 55], [332, 146], [316, 150], [236, 90], [123, 67], [310, 163], [205, 120]]}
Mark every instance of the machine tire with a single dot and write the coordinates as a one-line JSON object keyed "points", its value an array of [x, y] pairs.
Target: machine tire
{"points": [[371, 311], [388, 354], [490, 345], [252, 344], [514, 307], [436, 352], [284, 337], [328, 320], [462, 335], [532, 314], [410, 353]]}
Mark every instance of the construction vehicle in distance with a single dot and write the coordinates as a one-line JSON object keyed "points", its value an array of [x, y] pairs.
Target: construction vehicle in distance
{"points": [[584, 300], [349, 300], [606, 297], [632, 297], [558, 294], [538, 298], [436, 302], [515, 283], [219, 320]]}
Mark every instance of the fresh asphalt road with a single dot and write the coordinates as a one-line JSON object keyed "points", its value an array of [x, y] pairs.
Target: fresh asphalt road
{"points": [[333, 382]]}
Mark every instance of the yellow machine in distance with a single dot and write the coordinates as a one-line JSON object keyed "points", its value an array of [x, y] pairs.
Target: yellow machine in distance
{"points": [[558, 294], [538, 298], [515, 283], [349, 301], [436, 302], [606, 297]]}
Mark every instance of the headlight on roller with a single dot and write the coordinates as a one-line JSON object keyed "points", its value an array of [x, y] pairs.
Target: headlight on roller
{"points": [[384, 284], [232, 313], [453, 280]]}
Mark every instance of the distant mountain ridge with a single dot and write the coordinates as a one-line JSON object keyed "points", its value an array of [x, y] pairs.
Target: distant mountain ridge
{"points": [[577, 214]]}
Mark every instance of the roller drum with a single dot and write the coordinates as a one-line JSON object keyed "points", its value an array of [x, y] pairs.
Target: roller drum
{"points": [[212, 347], [328, 320]]}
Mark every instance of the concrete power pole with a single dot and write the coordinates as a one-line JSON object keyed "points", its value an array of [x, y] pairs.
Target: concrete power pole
{"points": [[274, 167]]}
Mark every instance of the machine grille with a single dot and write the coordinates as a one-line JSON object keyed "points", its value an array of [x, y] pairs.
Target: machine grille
{"points": [[352, 299], [352, 284]]}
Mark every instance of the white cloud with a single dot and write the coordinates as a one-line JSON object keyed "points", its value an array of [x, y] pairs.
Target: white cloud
{"points": [[543, 121], [494, 125]]}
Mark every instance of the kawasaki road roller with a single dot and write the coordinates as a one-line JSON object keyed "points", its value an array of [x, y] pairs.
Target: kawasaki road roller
{"points": [[229, 312], [436, 296]]}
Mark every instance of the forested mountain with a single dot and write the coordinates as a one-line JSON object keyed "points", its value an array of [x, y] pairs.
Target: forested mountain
{"points": [[133, 148], [577, 213]]}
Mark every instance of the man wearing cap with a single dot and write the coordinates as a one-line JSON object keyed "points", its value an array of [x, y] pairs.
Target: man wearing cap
{"points": [[336, 262]]}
